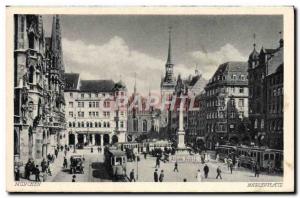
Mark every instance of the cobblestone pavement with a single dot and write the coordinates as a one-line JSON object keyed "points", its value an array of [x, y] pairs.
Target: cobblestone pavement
{"points": [[189, 171], [94, 170]]}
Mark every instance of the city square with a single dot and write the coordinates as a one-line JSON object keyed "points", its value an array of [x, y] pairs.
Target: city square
{"points": [[92, 109]]}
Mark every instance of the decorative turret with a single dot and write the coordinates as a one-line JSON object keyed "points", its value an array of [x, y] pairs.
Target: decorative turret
{"points": [[254, 56]]}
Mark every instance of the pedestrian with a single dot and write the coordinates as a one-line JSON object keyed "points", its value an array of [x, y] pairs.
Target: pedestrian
{"points": [[27, 169], [43, 165], [199, 176], [145, 155], [176, 167], [206, 170], [61, 148], [73, 178], [184, 180], [231, 167], [219, 172], [229, 161], [65, 164], [257, 170], [65, 152], [49, 168], [98, 149], [56, 153], [37, 173], [17, 174], [131, 176], [155, 176], [161, 176], [157, 162], [92, 150]]}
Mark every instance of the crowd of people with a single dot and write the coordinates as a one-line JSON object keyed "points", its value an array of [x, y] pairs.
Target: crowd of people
{"points": [[44, 169]]}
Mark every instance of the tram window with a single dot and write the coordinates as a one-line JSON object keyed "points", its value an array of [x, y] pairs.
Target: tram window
{"points": [[276, 156], [118, 161], [266, 156], [271, 156], [254, 154]]}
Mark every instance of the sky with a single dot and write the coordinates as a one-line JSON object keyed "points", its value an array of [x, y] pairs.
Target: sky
{"points": [[116, 47]]}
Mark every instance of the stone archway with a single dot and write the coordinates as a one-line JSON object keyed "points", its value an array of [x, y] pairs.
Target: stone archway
{"points": [[114, 139], [71, 139], [80, 139], [97, 139], [105, 139]]}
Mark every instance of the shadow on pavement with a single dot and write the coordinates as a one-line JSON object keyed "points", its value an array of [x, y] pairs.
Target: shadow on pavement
{"points": [[99, 171]]}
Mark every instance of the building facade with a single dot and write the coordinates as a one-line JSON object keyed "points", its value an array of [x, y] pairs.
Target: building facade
{"points": [[39, 117], [266, 96], [95, 110], [226, 103]]}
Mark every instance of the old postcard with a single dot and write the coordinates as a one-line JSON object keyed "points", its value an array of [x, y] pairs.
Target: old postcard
{"points": [[150, 99]]}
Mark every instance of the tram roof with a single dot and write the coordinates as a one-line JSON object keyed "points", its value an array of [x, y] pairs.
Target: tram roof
{"points": [[117, 153]]}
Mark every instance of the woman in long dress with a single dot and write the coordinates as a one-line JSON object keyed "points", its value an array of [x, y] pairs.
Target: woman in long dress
{"points": [[199, 176]]}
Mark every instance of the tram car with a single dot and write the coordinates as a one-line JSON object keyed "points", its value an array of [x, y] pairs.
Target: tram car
{"points": [[225, 151], [250, 156], [162, 144], [115, 162]]}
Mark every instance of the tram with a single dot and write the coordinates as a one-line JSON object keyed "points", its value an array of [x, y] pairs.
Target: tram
{"points": [[115, 161], [250, 156], [225, 151]]}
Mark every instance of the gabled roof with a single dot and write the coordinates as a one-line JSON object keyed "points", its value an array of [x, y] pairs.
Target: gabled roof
{"points": [[97, 85], [275, 62], [71, 81]]}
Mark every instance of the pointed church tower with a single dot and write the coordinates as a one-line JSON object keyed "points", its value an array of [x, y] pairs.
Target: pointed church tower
{"points": [[169, 65], [56, 46], [168, 81]]}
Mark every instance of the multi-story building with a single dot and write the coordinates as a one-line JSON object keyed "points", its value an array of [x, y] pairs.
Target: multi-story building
{"points": [[266, 96], [95, 110], [226, 103], [39, 118]]}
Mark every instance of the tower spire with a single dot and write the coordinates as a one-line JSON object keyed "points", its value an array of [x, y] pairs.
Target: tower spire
{"points": [[254, 37], [169, 60], [134, 88]]}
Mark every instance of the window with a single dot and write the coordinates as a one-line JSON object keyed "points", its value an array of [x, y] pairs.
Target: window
{"points": [[242, 77], [90, 95], [104, 124], [99, 124], [241, 102], [234, 77], [145, 125], [90, 113], [122, 124], [78, 124], [106, 104], [71, 104], [82, 95], [71, 114], [108, 124], [82, 124], [74, 124], [70, 124], [71, 95], [135, 125], [90, 104], [87, 124], [96, 124], [96, 95], [241, 90], [232, 101], [97, 114], [97, 103], [91, 124]]}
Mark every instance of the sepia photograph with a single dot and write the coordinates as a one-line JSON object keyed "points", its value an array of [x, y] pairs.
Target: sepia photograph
{"points": [[110, 99]]}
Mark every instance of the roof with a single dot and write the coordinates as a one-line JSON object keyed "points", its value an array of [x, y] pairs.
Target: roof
{"points": [[275, 62], [117, 153], [97, 85], [71, 80], [234, 66]]}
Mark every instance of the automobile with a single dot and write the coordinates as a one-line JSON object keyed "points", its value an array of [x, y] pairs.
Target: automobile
{"points": [[79, 145], [76, 164]]}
